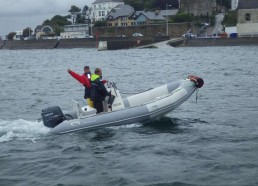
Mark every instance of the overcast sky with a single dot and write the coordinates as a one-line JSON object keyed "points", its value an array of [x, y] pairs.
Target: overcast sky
{"points": [[15, 15]]}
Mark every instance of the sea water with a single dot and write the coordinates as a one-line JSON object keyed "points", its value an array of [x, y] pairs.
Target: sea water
{"points": [[211, 142]]}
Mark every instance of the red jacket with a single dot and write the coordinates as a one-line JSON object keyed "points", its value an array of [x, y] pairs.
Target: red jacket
{"points": [[83, 79]]}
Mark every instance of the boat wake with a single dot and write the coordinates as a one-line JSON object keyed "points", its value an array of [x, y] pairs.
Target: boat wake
{"points": [[133, 125], [21, 130]]}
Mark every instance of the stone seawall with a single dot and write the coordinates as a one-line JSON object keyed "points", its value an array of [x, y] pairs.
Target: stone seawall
{"points": [[29, 44], [123, 43], [204, 42], [50, 44], [113, 43], [174, 30]]}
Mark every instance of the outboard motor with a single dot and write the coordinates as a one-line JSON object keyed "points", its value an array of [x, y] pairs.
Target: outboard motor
{"points": [[52, 116]]}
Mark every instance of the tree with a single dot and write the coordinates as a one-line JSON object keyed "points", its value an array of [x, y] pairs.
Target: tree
{"points": [[225, 3], [100, 23], [163, 3], [152, 4], [27, 32], [85, 10], [182, 17], [57, 23], [230, 18], [58, 29], [57, 20], [11, 35], [74, 9], [47, 22], [80, 19], [136, 4]]}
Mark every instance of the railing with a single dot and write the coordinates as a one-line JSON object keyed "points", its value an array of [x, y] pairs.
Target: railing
{"points": [[255, 34]]}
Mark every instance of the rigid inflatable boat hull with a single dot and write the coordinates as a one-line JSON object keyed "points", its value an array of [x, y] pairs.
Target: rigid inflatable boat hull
{"points": [[174, 95]]}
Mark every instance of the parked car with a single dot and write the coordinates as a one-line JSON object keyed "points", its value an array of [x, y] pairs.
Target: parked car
{"points": [[122, 35], [189, 35], [137, 35], [205, 25]]}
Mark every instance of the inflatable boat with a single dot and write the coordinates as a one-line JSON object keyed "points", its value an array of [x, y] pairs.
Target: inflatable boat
{"points": [[140, 107]]}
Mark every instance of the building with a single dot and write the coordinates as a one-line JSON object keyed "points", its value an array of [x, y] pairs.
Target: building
{"points": [[119, 15], [44, 32], [247, 20], [148, 17], [75, 31], [198, 7], [234, 4], [18, 35], [100, 9], [125, 15]]}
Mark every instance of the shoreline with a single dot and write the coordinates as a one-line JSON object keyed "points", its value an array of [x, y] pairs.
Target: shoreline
{"points": [[215, 42], [116, 43]]}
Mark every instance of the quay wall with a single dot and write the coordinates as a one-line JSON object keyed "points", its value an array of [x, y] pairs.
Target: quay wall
{"points": [[113, 43], [174, 30], [206, 42]]}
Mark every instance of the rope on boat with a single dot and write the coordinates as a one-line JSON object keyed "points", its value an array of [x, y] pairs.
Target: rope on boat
{"points": [[197, 90], [124, 92]]}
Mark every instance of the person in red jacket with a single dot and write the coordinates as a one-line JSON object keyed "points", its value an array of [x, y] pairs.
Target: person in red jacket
{"points": [[84, 79]]}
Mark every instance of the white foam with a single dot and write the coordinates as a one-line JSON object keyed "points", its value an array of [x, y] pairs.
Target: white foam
{"points": [[134, 125], [21, 130]]}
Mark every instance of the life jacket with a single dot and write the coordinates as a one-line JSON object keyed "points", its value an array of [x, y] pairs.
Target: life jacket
{"points": [[97, 90], [94, 77]]}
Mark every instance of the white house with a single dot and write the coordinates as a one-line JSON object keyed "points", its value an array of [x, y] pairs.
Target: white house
{"points": [[247, 22], [234, 4], [18, 35], [100, 9], [75, 31]]}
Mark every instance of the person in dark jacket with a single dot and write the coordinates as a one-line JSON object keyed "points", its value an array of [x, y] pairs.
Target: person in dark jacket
{"points": [[98, 91]]}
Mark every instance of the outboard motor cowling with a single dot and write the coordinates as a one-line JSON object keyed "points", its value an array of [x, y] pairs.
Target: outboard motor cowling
{"points": [[52, 116]]}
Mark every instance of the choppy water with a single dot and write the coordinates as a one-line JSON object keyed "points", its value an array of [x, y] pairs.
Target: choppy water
{"points": [[214, 142]]}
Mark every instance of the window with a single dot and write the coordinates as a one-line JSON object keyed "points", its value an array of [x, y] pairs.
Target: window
{"points": [[99, 13], [123, 18], [99, 6], [248, 17], [103, 13], [93, 14], [46, 29], [94, 7], [141, 23]]}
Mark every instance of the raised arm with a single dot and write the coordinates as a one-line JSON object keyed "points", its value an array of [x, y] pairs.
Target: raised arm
{"points": [[76, 76]]}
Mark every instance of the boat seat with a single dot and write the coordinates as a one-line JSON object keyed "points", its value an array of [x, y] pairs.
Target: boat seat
{"points": [[83, 113]]}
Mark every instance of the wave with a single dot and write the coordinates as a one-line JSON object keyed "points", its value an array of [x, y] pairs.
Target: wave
{"points": [[133, 125], [21, 130]]}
